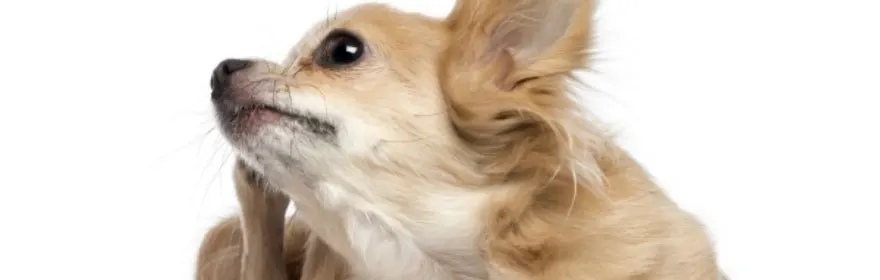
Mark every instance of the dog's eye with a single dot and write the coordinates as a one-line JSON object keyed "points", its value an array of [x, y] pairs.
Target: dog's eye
{"points": [[340, 48]]}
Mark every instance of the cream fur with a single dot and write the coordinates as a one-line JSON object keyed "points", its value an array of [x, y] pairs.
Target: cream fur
{"points": [[460, 153]]}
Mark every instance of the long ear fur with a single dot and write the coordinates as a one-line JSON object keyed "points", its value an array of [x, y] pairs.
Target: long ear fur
{"points": [[529, 38], [505, 76]]}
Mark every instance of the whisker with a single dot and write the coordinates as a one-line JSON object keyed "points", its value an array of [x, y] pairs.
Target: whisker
{"points": [[227, 158], [327, 17], [210, 161], [206, 190], [407, 140], [427, 115], [202, 144], [201, 137], [274, 92]]}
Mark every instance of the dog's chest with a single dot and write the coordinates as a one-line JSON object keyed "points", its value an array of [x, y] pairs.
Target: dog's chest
{"points": [[433, 239], [382, 253]]}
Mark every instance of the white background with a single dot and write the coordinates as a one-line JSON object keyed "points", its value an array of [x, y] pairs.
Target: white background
{"points": [[757, 115]]}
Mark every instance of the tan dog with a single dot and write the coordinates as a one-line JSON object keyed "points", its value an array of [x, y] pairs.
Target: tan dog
{"points": [[260, 245], [420, 148]]}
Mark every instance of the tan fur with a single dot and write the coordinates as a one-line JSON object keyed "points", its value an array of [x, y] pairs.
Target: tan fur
{"points": [[462, 154]]}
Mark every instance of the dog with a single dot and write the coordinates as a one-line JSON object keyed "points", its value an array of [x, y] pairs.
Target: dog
{"points": [[438, 148]]}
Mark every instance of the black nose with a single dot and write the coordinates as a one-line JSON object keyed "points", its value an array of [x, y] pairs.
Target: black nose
{"points": [[223, 72]]}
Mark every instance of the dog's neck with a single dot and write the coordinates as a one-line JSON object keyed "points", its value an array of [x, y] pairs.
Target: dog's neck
{"points": [[430, 235]]}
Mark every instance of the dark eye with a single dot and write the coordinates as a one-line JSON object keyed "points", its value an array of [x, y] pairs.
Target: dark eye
{"points": [[340, 48]]}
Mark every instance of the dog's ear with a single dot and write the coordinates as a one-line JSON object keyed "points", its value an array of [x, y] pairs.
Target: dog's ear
{"points": [[504, 75], [521, 39]]}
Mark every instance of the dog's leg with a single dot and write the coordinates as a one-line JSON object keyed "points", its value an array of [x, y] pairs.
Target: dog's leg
{"points": [[220, 256], [262, 221], [255, 246], [259, 246], [220, 252]]}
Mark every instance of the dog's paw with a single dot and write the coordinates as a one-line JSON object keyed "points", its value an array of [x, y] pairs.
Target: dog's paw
{"points": [[247, 175], [255, 192]]}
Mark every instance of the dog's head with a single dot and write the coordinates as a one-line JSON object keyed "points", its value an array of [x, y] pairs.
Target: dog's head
{"points": [[384, 104]]}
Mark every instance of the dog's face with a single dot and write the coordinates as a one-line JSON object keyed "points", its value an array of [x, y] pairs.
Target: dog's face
{"points": [[383, 103], [357, 96]]}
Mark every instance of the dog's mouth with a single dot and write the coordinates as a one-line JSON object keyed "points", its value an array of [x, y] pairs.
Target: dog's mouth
{"points": [[236, 117], [312, 123]]}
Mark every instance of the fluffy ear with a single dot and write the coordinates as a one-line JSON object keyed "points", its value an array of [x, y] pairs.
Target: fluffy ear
{"points": [[504, 75], [521, 39]]}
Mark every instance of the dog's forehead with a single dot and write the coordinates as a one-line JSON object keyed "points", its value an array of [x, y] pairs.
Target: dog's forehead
{"points": [[369, 20], [310, 40], [339, 19]]}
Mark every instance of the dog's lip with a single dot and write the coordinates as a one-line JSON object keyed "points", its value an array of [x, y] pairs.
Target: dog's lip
{"points": [[272, 109], [317, 124]]}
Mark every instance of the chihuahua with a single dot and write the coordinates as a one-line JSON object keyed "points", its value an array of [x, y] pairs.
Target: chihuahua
{"points": [[425, 148]]}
